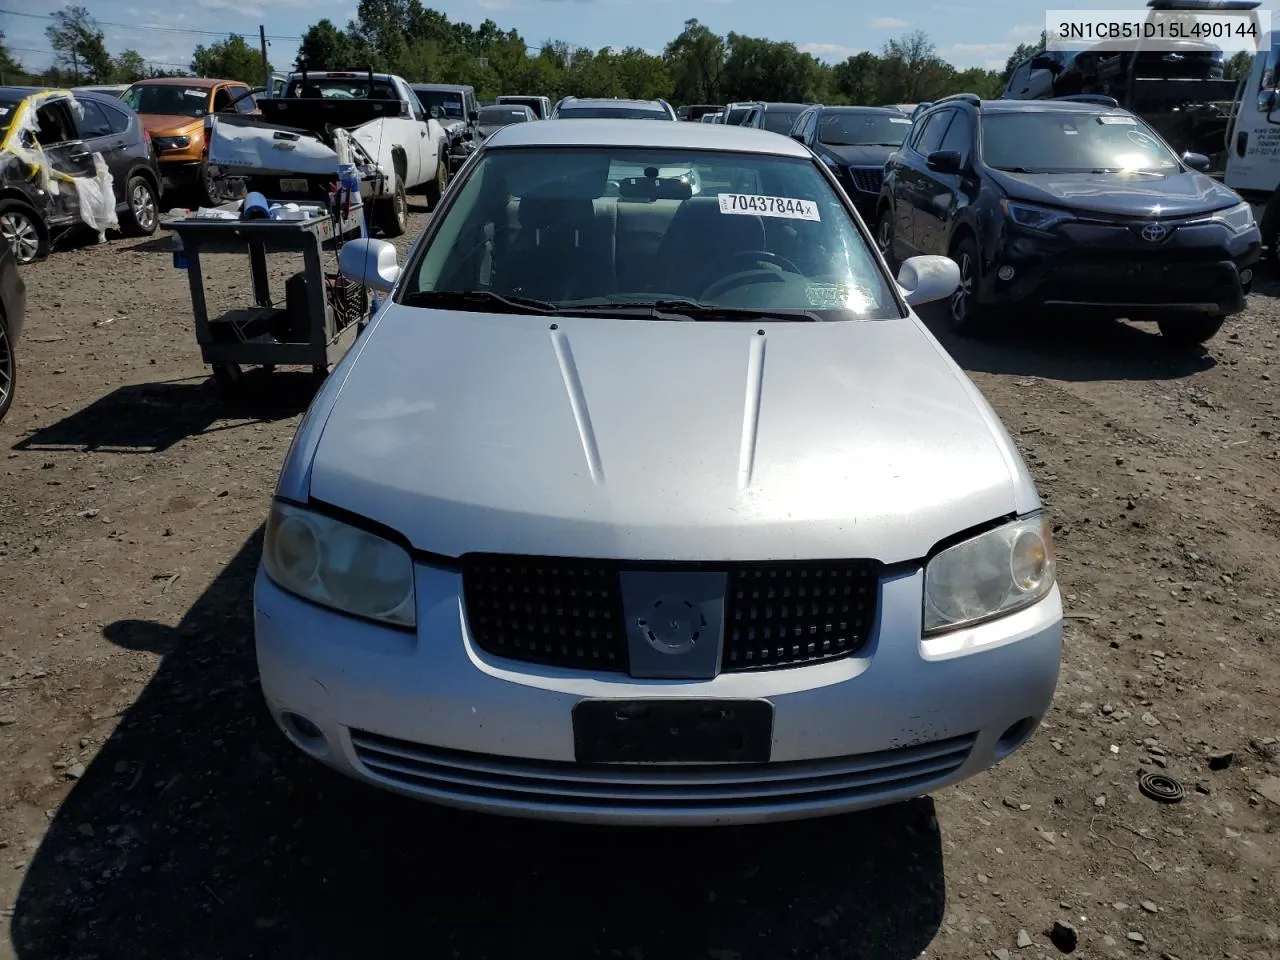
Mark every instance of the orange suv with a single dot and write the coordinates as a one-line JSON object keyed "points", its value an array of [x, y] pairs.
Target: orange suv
{"points": [[173, 110]]}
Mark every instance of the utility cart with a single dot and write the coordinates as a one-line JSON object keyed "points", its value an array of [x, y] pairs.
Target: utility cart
{"points": [[321, 312]]}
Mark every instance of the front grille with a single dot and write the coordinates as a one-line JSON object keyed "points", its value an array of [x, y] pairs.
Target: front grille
{"points": [[439, 773], [568, 612], [868, 181]]}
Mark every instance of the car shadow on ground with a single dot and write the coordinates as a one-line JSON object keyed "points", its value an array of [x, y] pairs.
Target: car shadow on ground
{"points": [[199, 832], [1057, 348], [152, 417]]}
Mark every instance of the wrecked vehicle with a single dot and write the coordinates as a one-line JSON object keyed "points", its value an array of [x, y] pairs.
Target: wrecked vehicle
{"points": [[458, 110], [173, 109], [68, 159], [370, 120]]}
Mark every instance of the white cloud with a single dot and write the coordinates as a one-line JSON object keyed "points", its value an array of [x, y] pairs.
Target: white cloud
{"points": [[977, 50], [1025, 32], [496, 4], [887, 23], [829, 51], [994, 64], [248, 9]]}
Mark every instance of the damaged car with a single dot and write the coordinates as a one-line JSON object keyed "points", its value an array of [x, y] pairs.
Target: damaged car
{"points": [[373, 121], [69, 159]]}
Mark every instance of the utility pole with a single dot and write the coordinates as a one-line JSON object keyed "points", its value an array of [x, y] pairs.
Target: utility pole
{"points": [[266, 65]]}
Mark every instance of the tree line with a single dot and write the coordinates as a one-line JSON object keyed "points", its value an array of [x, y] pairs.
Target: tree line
{"points": [[424, 45]]}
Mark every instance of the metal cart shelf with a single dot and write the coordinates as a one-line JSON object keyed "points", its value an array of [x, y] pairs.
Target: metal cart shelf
{"points": [[308, 330]]}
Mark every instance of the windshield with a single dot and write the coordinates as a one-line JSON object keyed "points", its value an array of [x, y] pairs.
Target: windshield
{"points": [[533, 103], [841, 129], [501, 116], [341, 88], [168, 98], [450, 103], [780, 121], [738, 114], [612, 113], [1072, 142], [613, 231]]}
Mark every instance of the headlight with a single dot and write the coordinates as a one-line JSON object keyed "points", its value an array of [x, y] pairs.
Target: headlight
{"points": [[1031, 216], [995, 573], [171, 143], [1239, 218], [338, 565]]}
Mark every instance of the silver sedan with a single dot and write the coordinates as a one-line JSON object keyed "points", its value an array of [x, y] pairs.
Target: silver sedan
{"points": [[653, 508]]}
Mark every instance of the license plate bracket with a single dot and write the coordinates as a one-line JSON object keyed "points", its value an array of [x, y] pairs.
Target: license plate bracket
{"points": [[673, 731], [294, 185]]}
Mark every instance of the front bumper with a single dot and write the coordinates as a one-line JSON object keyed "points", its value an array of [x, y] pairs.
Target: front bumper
{"points": [[434, 717], [1198, 271], [179, 174]]}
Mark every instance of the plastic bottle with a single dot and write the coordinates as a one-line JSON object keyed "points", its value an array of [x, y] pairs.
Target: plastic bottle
{"points": [[179, 253]]}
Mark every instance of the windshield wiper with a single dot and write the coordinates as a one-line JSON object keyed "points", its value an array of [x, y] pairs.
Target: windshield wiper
{"points": [[478, 300], [1015, 169], [692, 310]]}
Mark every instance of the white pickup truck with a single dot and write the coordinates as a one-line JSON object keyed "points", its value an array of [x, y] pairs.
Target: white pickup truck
{"points": [[291, 151]]}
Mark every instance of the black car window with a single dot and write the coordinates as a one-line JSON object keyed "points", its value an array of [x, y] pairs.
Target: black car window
{"points": [[1021, 77], [221, 99], [54, 124], [847, 128], [810, 126], [245, 104], [959, 137], [779, 121], [1072, 142], [117, 118], [934, 130], [92, 121]]}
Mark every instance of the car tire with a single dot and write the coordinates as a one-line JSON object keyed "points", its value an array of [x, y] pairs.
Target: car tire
{"points": [[437, 187], [965, 315], [25, 232], [884, 237], [391, 216], [142, 212], [8, 369], [1190, 331]]}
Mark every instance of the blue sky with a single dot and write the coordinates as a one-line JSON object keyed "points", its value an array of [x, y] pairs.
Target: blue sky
{"points": [[966, 32]]}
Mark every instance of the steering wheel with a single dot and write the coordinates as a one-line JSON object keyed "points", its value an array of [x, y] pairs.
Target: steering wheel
{"points": [[745, 277]]}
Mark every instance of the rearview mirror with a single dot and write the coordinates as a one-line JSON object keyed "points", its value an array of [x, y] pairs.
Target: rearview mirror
{"points": [[943, 161], [925, 279], [1196, 161], [370, 263]]}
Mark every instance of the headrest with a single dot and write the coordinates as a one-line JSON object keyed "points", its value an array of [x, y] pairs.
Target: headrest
{"points": [[553, 175], [555, 211]]}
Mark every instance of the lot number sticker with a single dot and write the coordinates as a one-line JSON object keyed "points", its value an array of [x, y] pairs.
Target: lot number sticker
{"points": [[752, 204]]}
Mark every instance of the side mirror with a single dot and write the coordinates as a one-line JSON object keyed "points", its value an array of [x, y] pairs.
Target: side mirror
{"points": [[1267, 104], [1196, 161], [798, 137], [944, 161], [473, 116], [925, 279], [1042, 61], [370, 263], [436, 113]]}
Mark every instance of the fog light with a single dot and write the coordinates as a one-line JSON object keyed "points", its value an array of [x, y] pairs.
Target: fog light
{"points": [[1005, 273], [1246, 276]]}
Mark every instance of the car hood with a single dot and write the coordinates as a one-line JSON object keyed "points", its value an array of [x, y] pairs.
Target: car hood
{"points": [[165, 124], [1135, 195], [654, 440], [861, 156]]}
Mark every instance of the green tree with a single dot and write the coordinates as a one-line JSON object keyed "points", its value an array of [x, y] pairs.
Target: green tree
{"points": [[11, 71], [78, 45], [857, 80], [695, 61], [325, 47], [912, 71], [1239, 66], [230, 59], [757, 69], [128, 67]]}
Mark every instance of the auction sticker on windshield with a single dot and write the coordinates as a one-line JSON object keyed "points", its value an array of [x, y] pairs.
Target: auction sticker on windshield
{"points": [[748, 204]]}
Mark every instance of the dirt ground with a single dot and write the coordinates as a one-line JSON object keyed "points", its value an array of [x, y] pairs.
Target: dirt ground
{"points": [[149, 808]]}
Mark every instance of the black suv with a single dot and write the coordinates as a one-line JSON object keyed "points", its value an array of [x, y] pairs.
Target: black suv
{"points": [[1071, 203], [854, 142]]}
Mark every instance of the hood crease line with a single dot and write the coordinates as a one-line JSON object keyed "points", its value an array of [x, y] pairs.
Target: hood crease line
{"points": [[578, 401], [751, 411]]}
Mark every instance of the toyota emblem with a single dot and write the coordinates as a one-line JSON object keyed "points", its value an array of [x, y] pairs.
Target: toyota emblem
{"points": [[1154, 232]]}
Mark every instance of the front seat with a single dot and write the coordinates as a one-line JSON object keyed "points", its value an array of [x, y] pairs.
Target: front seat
{"points": [[558, 252], [699, 245]]}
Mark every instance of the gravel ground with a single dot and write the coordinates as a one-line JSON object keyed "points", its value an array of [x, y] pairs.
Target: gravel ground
{"points": [[149, 808]]}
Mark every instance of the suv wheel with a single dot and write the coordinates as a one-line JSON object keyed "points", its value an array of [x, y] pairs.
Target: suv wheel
{"points": [[1189, 331], [964, 311], [884, 237], [24, 232], [8, 369]]}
